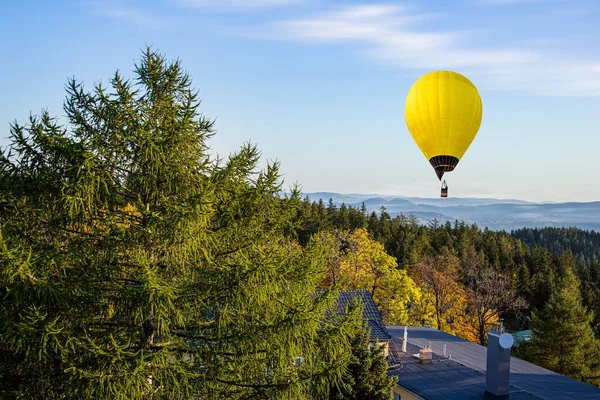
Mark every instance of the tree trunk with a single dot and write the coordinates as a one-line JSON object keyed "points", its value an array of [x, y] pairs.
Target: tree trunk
{"points": [[438, 313], [148, 333], [482, 333]]}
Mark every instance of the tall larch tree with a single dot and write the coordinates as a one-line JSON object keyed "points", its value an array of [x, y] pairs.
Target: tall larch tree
{"points": [[133, 264]]}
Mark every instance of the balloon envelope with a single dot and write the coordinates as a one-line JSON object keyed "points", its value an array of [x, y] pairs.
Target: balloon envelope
{"points": [[443, 113]]}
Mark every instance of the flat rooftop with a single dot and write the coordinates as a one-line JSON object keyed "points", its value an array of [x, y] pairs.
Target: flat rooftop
{"points": [[462, 376]]}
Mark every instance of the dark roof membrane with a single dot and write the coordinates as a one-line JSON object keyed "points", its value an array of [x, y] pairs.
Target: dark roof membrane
{"points": [[463, 375], [370, 312]]}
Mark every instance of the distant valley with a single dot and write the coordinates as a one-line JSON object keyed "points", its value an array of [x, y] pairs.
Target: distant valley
{"points": [[496, 214]]}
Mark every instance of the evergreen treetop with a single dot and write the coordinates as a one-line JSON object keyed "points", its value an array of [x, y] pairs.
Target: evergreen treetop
{"points": [[135, 264]]}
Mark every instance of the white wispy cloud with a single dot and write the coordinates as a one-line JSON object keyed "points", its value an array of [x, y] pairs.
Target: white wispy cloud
{"points": [[510, 1], [399, 36], [142, 15], [237, 4], [133, 15]]}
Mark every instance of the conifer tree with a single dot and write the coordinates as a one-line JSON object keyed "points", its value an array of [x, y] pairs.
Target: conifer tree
{"points": [[562, 337], [366, 377], [134, 264]]}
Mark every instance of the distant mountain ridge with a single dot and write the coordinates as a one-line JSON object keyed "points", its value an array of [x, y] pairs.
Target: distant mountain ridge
{"points": [[496, 214]]}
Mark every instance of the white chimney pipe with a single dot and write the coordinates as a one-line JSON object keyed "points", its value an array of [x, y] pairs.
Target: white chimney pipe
{"points": [[497, 375], [405, 339]]}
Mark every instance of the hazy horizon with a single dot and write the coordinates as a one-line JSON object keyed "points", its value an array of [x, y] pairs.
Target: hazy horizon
{"points": [[432, 197]]}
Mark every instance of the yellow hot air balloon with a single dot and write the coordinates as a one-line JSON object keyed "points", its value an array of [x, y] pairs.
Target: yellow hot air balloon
{"points": [[443, 113]]}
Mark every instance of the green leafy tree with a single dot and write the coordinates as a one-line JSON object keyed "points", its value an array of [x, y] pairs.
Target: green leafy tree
{"points": [[133, 264], [366, 377]]}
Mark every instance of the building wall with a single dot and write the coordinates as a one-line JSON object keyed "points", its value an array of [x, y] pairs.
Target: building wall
{"points": [[404, 394], [385, 345], [382, 343]]}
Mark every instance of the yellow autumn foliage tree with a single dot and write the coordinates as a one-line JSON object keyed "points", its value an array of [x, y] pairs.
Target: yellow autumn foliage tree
{"points": [[358, 262], [445, 303]]}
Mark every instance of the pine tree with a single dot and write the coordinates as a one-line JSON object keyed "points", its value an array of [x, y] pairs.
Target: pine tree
{"points": [[366, 377], [357, 219], [363, 209], [522, 282], [134, 264], [374, 227], [543, 277], [562, 337], [343, 218]]}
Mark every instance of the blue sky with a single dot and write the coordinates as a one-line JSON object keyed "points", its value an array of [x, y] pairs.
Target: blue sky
{"points": [[320, 85]]}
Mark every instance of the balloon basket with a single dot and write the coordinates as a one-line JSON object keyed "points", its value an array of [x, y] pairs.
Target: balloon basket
{"points": [[444, 192]]}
